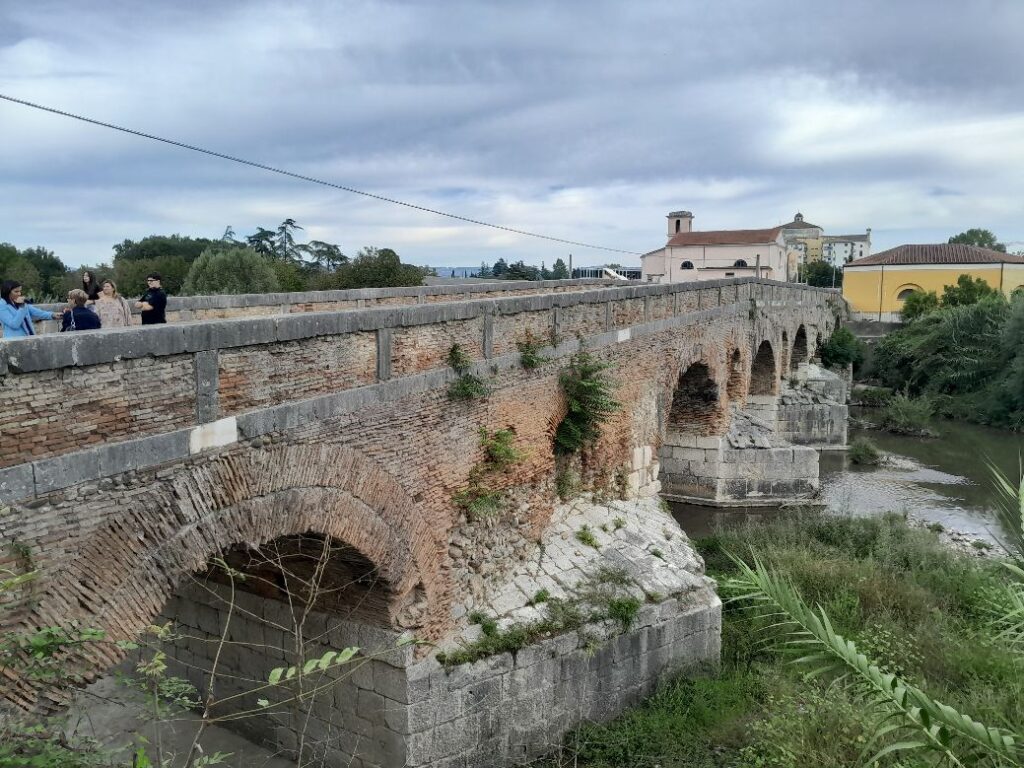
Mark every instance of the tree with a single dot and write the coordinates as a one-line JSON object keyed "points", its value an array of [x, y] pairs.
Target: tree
{"points": [[559, 271], [262, 241], [485, 270], [841, 349], [326, 256], [499, 269], [823, 275], [521, 271], [377, 268], [917, 304], [983, 238], [161, 246], [968, 290], [237, 270]]}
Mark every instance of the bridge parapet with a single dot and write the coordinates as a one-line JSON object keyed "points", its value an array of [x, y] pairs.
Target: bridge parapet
{"points": [[83, 406]]}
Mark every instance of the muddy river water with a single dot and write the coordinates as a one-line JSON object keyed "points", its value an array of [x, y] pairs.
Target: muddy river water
{"points": [[944, 479]]}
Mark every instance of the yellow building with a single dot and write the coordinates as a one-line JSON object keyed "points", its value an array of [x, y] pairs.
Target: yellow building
{"points": [[876, 286]]}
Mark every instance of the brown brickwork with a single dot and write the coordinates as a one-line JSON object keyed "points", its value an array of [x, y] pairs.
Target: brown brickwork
{"points": [[269, 374], [52, 412], [425, 347], [379, 477]]}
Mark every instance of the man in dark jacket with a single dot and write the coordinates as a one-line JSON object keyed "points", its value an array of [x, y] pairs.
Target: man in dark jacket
{"points": [[79, 318], [153, 302]]}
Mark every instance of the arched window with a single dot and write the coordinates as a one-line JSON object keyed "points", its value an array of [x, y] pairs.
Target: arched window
{"points": [[740, 263], [677, 225], [687, 265], [905, 294]]}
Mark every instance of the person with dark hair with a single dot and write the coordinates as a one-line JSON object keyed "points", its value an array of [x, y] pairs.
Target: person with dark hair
{"points": [[17, 314], [153, 302], [90, 285], [79, 318]]}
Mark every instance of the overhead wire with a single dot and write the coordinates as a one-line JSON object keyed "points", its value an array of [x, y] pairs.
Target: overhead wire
{"points": [[311, 179]]}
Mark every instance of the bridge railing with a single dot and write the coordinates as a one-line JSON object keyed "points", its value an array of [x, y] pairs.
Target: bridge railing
{"points": [[87, 405], [228, 306]]}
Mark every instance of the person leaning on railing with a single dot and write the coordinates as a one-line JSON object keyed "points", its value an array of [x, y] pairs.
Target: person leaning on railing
{"points": [[80, 318], [18, 315]]}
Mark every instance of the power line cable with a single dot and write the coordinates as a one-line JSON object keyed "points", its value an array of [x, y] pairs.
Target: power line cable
{"points": [[302, 177]]}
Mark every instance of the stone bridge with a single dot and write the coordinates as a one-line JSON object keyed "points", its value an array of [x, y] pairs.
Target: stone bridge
{"points": [[141, 469]]}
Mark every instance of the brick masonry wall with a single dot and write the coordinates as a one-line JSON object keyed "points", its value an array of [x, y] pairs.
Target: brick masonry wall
{"points": [[375, 466]]}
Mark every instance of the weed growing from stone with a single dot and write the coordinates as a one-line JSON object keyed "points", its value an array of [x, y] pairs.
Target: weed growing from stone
{"points": [[567, 483], [618, 523], [621, 481], [468, 386], [529, 351], [936, 527], [658, 553], [589, 401], [624, 611], [586, 536], [601, 597], [541, 596]]}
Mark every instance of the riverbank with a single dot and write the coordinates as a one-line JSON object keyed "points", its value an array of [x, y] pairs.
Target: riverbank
{"points": [[896, 590]]}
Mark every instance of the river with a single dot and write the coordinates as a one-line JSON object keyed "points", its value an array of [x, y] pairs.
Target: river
{"points": [[944, 480]]}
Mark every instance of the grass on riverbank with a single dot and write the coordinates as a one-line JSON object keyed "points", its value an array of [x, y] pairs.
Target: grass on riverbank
{"points": [[904, 599]]}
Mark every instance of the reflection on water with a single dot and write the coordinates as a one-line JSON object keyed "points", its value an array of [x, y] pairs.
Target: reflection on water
{"points": [[944, 479]]}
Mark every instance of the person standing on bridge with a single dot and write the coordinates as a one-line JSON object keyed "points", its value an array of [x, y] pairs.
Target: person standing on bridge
{"points": [[17, 315], [113, 309], [80, 318], [153, 302]]}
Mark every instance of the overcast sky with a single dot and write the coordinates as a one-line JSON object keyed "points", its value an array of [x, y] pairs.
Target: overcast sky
{"points": [[581, 120]]}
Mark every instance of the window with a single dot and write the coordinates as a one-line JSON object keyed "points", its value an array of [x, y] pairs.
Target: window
{"points": [[677, 225], [730, 274], [740, 263], [687, 265], [905, 292]]}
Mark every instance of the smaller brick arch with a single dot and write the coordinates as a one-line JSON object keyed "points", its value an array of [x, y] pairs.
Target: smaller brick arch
{"points": [[697, 407], [763, 380], [735, 387], [800, 353], [904, 291]]}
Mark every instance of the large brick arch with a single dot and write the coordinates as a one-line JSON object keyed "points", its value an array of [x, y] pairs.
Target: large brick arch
{"points": [[697, 405], [124, 572]]}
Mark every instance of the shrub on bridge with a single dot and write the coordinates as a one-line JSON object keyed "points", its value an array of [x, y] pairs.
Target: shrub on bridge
{"points": [[842, 349], [589, 401], [237, 270]]}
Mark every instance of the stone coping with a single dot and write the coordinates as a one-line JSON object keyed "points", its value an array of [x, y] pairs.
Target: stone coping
{"points": [[236, 300], [54, 351]]}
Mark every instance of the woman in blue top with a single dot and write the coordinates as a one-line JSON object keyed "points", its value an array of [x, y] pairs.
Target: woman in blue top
{"points": [[17, 316]]}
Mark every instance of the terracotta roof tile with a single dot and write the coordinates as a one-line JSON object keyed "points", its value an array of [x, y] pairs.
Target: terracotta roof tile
{"points": [[726, 237], [942, 253]]}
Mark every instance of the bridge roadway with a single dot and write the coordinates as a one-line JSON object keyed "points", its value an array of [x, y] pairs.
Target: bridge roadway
{"points": [[130, 458]]}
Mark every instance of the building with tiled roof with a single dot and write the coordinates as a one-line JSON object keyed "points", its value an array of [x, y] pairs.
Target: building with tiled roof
{"points": [[712, 254], [876, 286]]}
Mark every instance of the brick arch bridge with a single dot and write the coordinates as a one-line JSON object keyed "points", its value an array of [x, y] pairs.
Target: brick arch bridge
{"points": [[133, 457]]}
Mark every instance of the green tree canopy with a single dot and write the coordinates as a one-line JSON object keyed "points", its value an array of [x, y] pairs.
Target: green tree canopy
{"points": [[917, 304], [841, 349], [155, 247], [377, 268], [559, 271], [235, 270], [823, 275], [983, 238], [968, 290]]}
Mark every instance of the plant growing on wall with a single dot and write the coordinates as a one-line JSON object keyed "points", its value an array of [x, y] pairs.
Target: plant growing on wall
{"points": [[529, 351], [468, 386], [480, 500], [589, 401]]}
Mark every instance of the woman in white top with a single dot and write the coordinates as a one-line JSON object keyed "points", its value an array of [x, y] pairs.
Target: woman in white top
{"points": [[113, 309]]}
